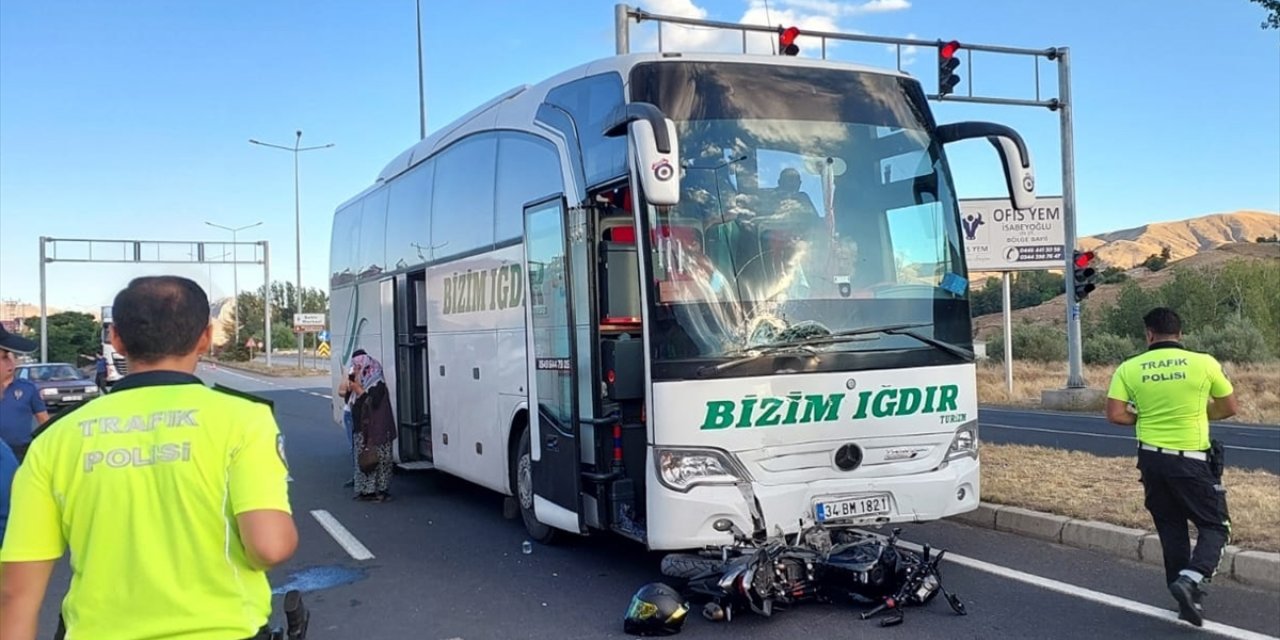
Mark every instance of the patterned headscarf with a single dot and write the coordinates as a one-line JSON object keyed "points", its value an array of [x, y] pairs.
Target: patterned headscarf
{"points": [[368, 369]]}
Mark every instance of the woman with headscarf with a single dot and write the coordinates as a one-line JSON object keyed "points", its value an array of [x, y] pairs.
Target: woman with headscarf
{"points": [[373, 429]]}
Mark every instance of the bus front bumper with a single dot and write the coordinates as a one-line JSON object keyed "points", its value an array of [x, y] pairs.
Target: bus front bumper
{"points": [[685, 520]]}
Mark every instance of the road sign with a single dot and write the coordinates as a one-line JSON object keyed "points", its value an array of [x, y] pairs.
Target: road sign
{"points": [[998, 237], [323, 335], [323, 350], [308, 322]]}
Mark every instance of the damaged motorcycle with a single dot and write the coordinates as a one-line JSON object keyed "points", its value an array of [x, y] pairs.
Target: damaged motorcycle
{"points": [[831, 566]]}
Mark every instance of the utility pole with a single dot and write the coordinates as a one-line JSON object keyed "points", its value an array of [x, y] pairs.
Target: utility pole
{"points": [[297, 216], [235, 276]]}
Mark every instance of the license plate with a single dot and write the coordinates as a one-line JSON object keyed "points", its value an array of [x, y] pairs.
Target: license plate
{"points": [[72, 398], [859, 507]]}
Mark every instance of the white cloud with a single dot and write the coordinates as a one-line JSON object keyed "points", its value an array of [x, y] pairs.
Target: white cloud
{"points": [[821, 7], [909, 52], [878, 6]]}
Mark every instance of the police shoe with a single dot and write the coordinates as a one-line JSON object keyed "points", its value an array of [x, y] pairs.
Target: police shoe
{"points": [[1187, 593]]}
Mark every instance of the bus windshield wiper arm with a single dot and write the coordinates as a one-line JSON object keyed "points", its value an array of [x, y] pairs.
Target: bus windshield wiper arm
{"points": [[907, 330], [806, 345], [753, 354]]}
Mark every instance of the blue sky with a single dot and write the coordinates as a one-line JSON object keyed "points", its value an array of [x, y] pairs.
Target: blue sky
{"points": [[132, 119]]}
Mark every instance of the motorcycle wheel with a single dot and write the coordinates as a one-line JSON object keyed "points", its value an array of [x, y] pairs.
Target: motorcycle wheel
{"points": [[686, 566]]}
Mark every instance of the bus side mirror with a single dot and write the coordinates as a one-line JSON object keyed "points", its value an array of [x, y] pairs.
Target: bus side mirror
{"points": [[656, 149], [1019, 174]]}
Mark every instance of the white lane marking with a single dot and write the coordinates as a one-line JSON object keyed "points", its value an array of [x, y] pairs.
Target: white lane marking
{"points": [[238, 374], [1102, 435], [348, 542], [1091, 595]]}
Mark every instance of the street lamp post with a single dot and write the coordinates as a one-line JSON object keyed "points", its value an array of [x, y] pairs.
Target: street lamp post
{"points": [[297, 216], [194, 256], [235, 276], [208, 261]]}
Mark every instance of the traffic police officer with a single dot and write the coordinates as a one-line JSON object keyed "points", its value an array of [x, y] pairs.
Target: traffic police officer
{"points": [[1171, 394], [171, 495]]}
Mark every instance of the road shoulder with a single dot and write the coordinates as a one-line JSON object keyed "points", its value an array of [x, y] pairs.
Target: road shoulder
{"points": [[1253, 568]]}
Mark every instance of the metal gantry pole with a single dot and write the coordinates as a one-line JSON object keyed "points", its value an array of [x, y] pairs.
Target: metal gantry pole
{"points": [[1075, 364], [235, 289], [1007, 310], [622, 28], [297, 221], [44, 311], [266, 297], [422, 100]]}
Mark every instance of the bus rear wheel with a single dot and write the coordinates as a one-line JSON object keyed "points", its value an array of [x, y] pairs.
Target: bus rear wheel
{"points": [[522, 471]]}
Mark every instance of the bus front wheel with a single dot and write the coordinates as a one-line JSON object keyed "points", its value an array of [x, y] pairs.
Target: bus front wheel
{"points": [[523, 473]]}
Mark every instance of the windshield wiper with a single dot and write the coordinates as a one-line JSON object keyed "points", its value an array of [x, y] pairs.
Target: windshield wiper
{"points": [[753, 354], [806, 345], [907, 330]]}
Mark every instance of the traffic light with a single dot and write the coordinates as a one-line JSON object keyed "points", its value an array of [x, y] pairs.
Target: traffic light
{"points": [[947, 63], [1083, 274], [787, 41]]}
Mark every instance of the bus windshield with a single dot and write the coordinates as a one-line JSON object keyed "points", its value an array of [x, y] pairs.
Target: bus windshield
{"points": [[813, 202]]}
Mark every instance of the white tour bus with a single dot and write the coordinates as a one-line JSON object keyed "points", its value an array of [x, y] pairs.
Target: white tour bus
{"points": [[657, 291]]}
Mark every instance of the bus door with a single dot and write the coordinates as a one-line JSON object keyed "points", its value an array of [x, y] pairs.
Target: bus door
{"points": [[553, 414], [412, 381]]}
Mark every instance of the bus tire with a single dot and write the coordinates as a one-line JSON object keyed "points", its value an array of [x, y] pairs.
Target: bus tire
{"points": [[522, 471], [686, 566]]}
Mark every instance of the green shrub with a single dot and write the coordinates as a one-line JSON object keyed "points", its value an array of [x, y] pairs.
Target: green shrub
{"points": [[1236, 341], [1107, 348], [1035, 342], [1124, 318], [1112, 275], [234, 352]]}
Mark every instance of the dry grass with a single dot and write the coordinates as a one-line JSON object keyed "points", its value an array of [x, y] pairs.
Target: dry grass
{"points": [[1257, 386], [1085, 486]]}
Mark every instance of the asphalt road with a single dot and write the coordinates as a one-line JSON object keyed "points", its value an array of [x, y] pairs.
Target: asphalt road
{"points": [[446, 565], [1250, 447]]}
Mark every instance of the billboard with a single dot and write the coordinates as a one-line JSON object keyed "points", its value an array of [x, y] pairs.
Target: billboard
{"points": [[998, 237]]}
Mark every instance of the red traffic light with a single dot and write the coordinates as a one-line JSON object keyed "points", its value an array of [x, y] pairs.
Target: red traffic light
{"points": [[1083, 258], [788, 36], [787, 41], [949, 49]]}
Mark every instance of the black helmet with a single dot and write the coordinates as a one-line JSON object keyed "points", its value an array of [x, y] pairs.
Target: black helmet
{"points": [[656, 610]]}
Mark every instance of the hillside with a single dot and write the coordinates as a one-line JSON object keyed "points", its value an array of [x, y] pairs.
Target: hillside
{"points": [[1054, 311], [1127, 248]]}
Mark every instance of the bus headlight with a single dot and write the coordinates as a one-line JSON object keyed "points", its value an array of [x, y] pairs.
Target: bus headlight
{"points": [[965, 442], [683, 469]]}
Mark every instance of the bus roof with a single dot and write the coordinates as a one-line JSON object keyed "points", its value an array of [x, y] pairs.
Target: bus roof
{"points": [[516, 107]]}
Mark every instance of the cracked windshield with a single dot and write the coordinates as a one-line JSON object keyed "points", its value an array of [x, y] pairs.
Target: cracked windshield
{"points": [[812, 203]]}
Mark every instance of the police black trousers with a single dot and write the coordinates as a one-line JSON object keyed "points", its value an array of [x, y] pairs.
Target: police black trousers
{"points": [[1179, 490]]}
